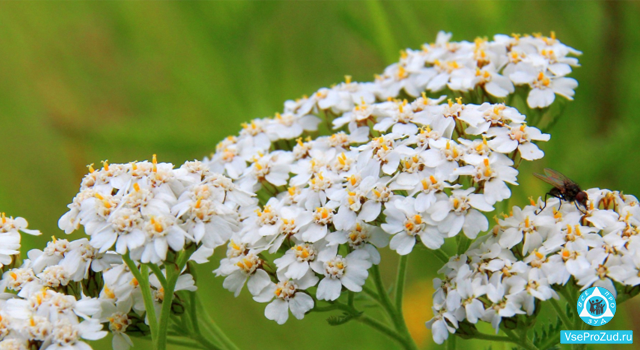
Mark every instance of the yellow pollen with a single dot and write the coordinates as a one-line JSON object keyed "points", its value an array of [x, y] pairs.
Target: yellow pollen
{"points": [[278, 291], [569, 229], [158, 227], [433, 179], [4, 219], [403, 54], [540, 76], [424, 96], [401, 72], [105, 165], [565, 253], [527, 223], [90, 167], [13, 275], [553, 35], [234, 245], [486, 162], [136, 187], [578, 230], [299, 141], [134, 282], [417, 219], [456, 203], [425, 185], [539, 255], [347, 79], [522, 128], [377, 193], [459, 100], [450, 103], [291, 190], [32, 322], [154, 159], [448, 145], [531, 201], [109, 293]]}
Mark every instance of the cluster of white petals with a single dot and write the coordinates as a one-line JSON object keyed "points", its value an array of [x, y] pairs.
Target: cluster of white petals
{"points": [[530, 255], [494, 68], [147, 209], [43, 307], [393, 172], [303, 216]]}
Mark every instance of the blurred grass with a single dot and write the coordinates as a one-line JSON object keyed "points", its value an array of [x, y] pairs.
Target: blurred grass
{"points": [[85, 81]]}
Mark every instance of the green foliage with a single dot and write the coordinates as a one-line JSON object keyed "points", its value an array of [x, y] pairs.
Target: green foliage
{"points": [[342, 319], [548, 336]]}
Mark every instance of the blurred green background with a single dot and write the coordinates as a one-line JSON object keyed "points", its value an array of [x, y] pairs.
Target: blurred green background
{"points": [[85, 81]]}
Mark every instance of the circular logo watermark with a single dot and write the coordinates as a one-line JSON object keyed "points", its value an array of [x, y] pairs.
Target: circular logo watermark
{"points": [[596, 306]]}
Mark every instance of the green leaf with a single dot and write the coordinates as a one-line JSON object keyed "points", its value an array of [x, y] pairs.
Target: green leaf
{"points": [[344, 318]]}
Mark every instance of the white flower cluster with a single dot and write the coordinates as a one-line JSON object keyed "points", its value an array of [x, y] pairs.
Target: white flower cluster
{"points": [[525, 256], [146, 208], [43, 298], [399, 171], [538, 62], [10, 229], [41, 305]]}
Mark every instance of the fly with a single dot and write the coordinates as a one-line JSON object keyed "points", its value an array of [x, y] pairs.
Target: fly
{"points": [[563, 188]]}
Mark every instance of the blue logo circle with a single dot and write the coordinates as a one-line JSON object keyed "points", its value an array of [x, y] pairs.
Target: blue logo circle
{"points": [[596, 306]]}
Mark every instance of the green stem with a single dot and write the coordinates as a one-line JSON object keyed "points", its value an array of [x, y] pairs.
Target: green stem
{"points": [[561, 314], [440, 254], [396, 315], [382, 294], [380, 327], [142, 276], [213, 327], [384, 330], [399, 293], [173, 271], [524, 341], [372, 294], [156, 271], [451, 342]]}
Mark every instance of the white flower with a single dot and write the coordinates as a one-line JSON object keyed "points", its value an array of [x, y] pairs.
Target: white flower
{"points": [[460, 212], [405, 224], [288, 296], [544, 87], [507, 139], [361, 236], [241, 270], [350, 272]]}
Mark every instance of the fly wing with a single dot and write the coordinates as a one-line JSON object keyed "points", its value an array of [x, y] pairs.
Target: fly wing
{"points": [[552, 177]]}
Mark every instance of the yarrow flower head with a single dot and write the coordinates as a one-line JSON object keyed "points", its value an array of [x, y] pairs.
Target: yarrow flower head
{"points": [[532, 254]]}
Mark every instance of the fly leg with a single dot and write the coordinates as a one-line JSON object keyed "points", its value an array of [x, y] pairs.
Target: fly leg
{"points": [[553, 193]]}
